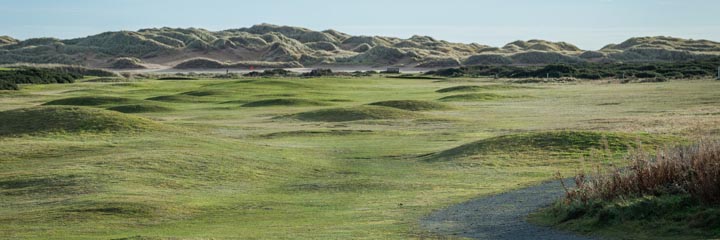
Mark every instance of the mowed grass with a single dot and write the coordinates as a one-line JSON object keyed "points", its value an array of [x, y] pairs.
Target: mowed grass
{"points": [[210, 168]]}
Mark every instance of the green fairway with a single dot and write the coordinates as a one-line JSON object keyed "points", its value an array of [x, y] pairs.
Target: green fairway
{"points": [[308, 158]]}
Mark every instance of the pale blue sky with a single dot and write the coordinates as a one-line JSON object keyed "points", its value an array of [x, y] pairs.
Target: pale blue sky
{"points": [[589, 24]]}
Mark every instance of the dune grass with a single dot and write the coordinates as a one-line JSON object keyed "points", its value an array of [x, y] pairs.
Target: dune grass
{"points": [[671, 194], [227, 172]]}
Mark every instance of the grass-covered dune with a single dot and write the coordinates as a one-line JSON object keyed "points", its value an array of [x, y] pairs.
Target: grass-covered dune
{"points": [[270, 46], [39, 120]]}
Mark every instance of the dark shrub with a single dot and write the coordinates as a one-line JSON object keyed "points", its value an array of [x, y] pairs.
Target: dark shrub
{"points": [[5, 85]]}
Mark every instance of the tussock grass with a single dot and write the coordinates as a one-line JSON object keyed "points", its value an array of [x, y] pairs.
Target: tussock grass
{"points": [[354, 114], [693, 170], [412, 105], [293, 102], [677, 190], [69, 119]]}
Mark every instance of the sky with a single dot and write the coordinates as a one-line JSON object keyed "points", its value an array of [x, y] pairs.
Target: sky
{"points": [[589, 24]]}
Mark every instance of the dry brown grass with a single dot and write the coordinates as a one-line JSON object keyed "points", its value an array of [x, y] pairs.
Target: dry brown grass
{"points": [[693, 170]]}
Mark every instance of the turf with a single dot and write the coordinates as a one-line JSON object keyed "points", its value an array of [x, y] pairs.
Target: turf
{"points": [[228, 172]]}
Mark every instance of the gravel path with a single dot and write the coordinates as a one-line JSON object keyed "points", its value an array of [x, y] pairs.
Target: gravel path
{"points": [[500, 216]]}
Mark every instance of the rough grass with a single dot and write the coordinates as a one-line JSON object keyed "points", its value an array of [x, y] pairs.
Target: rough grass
{"points": [[354, 114], [649, 217], [412, 105], [556, 141], [90, 101], [140, 108], [293, 102], [69, 119], [475, 88], [472, 97]]}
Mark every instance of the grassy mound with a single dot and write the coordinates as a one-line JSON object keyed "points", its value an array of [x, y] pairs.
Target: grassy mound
{"points": [[560, 141], [68, 119], [140, 108], [474, 88], [472, 97], [412, 105], [90, 101], [206, 63], [296, 102], [316, 133], [178, 78], [204, 93], [127, 63], [179, 98], [354, 114], [108, 80]]}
